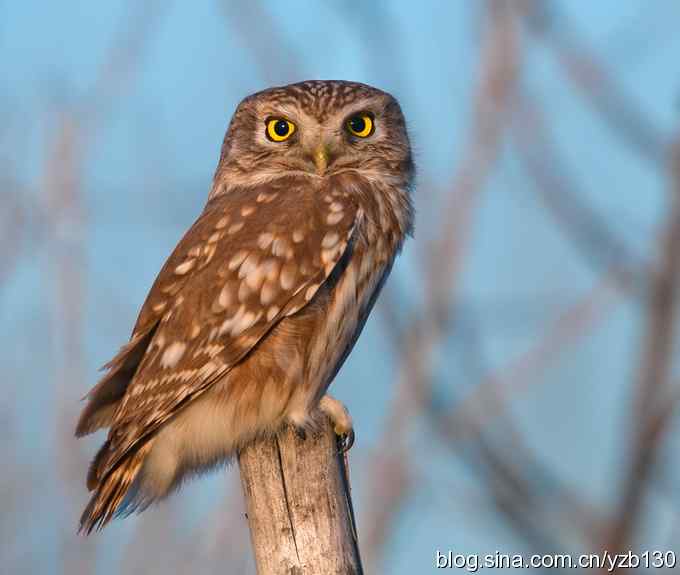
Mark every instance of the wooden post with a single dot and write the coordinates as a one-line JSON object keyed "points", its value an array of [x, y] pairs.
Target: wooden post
{"points": [[299, 506]]}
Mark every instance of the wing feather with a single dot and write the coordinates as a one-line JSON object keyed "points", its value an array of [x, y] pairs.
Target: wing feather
{"points": [[254, 256]]}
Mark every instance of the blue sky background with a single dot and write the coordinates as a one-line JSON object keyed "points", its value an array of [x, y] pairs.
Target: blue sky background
{"points": [[150, 145]]}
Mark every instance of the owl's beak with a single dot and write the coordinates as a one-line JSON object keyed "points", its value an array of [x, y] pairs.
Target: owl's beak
{"points": [[320, 157]]}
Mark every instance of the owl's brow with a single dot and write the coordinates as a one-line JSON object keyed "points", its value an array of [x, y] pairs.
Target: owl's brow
{"points": [[375, 105], [286, 111]]}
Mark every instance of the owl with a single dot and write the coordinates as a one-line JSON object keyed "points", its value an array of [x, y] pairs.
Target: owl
{"points": [[262, 300]]}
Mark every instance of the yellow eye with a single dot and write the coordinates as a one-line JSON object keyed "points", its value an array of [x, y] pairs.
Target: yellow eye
{"points": [[361, 125], [279, 130]]}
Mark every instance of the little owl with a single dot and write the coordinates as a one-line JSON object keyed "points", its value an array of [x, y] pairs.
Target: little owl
{"points": [[255, 311]]}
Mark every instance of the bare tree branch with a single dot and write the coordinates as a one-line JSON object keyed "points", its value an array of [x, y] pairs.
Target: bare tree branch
{"points": [[65, 214], [653, 379], [587, 230], [595, 81], [253, 24], [489, 399], [499, 61]]}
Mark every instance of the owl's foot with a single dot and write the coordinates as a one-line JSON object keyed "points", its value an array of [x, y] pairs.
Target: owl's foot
{"points": [[341, 419]]}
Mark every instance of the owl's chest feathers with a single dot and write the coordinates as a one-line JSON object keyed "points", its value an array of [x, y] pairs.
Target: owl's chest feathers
{"points": [[304, 351], [348, 302]]}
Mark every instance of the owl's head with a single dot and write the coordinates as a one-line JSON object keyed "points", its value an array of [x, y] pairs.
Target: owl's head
{"points": [[316, 129]]}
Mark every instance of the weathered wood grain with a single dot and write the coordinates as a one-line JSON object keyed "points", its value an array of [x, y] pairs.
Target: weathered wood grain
{"points": [[298, 505]]}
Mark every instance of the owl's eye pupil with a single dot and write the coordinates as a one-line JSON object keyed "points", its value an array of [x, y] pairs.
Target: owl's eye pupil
{"points": [[361, 125], [357, 124], [281, 128]]}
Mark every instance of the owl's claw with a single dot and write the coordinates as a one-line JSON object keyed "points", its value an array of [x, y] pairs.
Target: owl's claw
{"points": [[346, 441], [341, 419]]}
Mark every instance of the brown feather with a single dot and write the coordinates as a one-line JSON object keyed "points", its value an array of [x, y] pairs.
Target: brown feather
{"points": [[159, 389], [106, 501], [103, 397], [94, 470]]}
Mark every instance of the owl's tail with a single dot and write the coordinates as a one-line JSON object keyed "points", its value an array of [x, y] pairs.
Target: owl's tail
{"points": [[114, 494]]}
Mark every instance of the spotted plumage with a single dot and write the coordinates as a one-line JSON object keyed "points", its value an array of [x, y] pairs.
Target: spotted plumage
{"points": [[259, 304]]}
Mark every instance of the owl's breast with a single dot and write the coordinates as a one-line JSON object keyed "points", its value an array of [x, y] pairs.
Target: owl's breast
{"points": [[307, 348], [343, 313]]}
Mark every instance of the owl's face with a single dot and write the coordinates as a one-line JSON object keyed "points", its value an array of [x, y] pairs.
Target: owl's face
{"points": [[317, 129]]}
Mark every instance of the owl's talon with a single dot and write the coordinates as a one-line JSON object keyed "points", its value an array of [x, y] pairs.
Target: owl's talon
{"points": [[346, 441], [341, 419]]}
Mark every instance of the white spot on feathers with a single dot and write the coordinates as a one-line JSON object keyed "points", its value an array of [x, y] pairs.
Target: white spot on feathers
{"points": [[311, 290], [281, 248], [264, 240], [334, 217], [233, 228], [185, 267], [271, 268], [243, 292], [268, 293], [263, 197], [173, 354], [272, 312], [288, 274], [244, 322], [255, 278], [224, 299], [237, 259], [330, 239], [222, 223], [248, 265], [240, 321]]}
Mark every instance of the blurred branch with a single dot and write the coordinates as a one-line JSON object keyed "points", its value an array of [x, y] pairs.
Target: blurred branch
{"points": [[254, 26], [653, 382], [225, 523], [499, 66], [588, 231], [157, 546], [376, 28], [591, 77], [13, 222], [515, 488], [522, 487], [499, 63], [489, 399], [122, 61], [65, 217]]}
